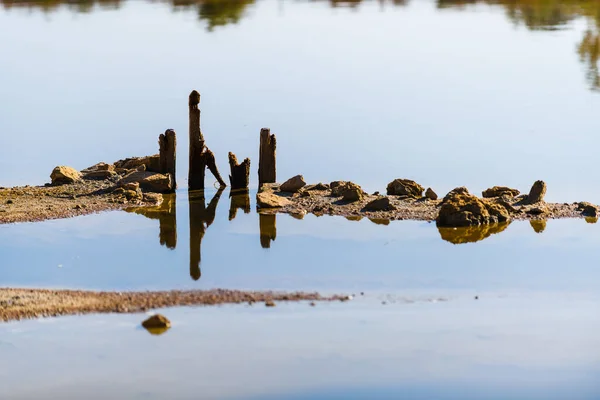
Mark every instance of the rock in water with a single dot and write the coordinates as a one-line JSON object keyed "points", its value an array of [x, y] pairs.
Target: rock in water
{"points": [[404, 187], [157, 324], [460, 208], [537, 192], [588, 209], [380, 204], [430, 194], [293, 184], [271, 200], [64, 175], [499, 191]]}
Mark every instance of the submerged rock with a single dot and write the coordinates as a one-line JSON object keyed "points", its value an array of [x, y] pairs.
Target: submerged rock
{"points": [[380, 204], [537, 192], [271, 200], [430, 194], [404, 187], [62, 175], [460, 208], [499, 191], [293, 184]]}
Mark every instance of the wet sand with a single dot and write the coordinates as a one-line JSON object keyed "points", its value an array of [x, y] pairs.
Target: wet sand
{"points": [[18, 304], [40, 203]]}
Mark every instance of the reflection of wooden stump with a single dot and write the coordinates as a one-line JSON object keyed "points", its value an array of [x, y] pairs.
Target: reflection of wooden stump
{"points": [[168, 222], [239, 199], [168, 143], [240, 173], [268, 230], [201, 217], [266, 160]]}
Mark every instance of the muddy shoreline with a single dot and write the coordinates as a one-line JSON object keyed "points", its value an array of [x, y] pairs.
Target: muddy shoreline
{"points": [[18, 304]]}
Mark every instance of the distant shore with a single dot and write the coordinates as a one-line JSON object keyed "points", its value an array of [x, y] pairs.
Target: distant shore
{"points": [[18, 304]]}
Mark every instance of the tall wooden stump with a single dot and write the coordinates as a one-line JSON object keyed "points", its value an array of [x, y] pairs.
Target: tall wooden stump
{"points": [[240, 173], [200, 156], [168, 143], [266, 160]]}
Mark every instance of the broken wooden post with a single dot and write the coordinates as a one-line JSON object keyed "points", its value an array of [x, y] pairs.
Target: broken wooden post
{"points": [[200, 156], [266, 160], [240, 173], [167, 144]]}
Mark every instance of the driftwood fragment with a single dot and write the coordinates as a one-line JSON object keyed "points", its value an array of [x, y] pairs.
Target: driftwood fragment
{"points": [[240, 173], [266, 160], [168, 149], [200, 156]]}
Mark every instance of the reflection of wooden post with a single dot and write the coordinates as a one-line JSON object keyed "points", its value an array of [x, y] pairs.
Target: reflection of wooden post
{"points": [[266, 160], [168, 222], [239, 199], [268, 230], [240, 173], [200, 156], [167, 143], [197, 166], [201, 217]]}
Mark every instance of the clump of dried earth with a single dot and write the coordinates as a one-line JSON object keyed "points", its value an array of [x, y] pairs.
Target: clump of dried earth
{"points": [[405, 200], [17, 304], [101, 187]]}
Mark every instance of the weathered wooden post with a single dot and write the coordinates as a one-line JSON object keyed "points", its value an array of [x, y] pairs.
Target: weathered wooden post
{"points": [[200, 156], [266, 160], [240, 173], [197, 167], [168, 149]]}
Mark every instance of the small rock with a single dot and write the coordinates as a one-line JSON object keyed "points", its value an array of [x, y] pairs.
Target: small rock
{"points": [[62, 175], [430, 194], [499, 191], [380, 204], [312, 304], [293, 184], [131, 186], [587, 209], [154, 198], [271, 200], [269, 303], [9, 201], [460, 208], [318, 186], [99, 175], [536, 210], [352, 195], [537, 192], [157, 321], [404, 187]]}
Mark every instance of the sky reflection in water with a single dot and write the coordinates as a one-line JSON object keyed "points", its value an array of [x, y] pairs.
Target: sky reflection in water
{"points": [[215, 240]]}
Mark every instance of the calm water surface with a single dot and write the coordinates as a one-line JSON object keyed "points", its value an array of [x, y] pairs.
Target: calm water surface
{"points": [[445, 92]]}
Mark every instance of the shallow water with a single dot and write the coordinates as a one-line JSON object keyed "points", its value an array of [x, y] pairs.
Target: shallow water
{"points": [[513, 347], [446, 92], [441, 92], [197, 244]]}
